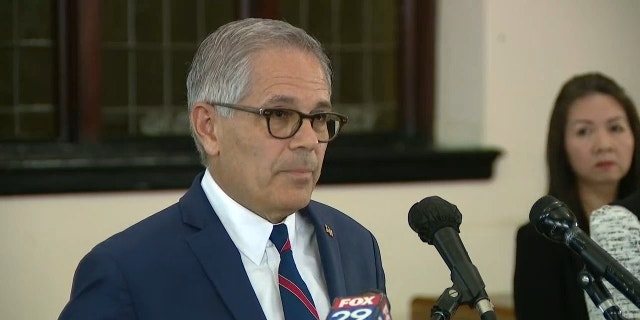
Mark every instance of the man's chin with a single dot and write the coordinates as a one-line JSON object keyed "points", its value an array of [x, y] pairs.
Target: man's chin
{"points": [[296, 200]]}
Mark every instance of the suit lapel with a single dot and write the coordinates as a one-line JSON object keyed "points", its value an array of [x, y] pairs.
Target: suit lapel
{"points": [[329, 252], [218, 255]]}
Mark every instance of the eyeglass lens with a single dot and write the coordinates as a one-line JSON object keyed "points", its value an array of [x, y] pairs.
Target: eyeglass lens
{"points": [[285, 123]]}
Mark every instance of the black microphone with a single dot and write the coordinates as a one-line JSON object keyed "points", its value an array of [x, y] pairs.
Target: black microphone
{"points": [[553, 219], [437, 222], [371, 305]]}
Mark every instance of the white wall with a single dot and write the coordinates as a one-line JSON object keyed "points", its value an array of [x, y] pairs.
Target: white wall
{"points": [[500, 65]]}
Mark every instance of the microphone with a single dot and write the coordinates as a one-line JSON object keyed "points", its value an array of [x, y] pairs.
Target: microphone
{"points": [[371, 305], [617, 230], [553, 219], [437, 223]]}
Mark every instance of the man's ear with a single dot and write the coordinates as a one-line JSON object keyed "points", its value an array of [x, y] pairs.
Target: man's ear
{"points": [[204, 118]]}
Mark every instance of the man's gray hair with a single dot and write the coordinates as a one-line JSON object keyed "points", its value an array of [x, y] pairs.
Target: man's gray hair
{"points": [[221, 67]]}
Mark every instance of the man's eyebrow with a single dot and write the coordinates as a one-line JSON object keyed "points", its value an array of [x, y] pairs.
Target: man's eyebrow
{"points": [[281, 99], [289, 100], [323, 105]]}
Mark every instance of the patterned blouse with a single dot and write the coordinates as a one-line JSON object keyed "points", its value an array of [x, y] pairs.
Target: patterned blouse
{"points": [[617, 230]]}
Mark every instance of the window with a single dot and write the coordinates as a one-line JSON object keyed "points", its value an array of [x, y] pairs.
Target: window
{"points": [[27, 53], [92, 92]]}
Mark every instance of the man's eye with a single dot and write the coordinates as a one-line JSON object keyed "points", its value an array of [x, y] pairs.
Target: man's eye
{"points": [[320, 117], [280, 113]]}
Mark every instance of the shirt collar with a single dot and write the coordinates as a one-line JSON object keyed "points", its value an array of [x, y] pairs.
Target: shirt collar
{"points": [[248, 231]]}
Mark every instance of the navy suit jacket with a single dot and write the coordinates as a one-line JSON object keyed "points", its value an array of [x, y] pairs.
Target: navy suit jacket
{"points": [[180, 263]]}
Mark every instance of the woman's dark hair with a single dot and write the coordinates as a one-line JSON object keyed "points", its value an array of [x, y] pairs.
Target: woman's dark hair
{"points": [[562, 179]]}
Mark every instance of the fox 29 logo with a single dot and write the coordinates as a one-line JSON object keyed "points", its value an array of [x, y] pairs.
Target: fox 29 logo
{"points": [[357, 313], [365, 307]]}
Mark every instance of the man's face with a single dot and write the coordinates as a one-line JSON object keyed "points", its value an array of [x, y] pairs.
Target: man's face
{"points": [[273, 177]]}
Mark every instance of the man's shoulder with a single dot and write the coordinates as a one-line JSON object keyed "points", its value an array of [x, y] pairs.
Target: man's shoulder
{"points": [[165, 227], [153, 231]]}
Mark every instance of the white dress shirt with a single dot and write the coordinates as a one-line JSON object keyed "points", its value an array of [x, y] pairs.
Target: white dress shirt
{"points": [[250, 233]]}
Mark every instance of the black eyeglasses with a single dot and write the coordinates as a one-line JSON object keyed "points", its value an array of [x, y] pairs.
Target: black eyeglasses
{"points": [[284, 123]]}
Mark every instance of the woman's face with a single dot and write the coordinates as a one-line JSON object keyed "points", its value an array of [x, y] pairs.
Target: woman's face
{"points": [[598, 140]]}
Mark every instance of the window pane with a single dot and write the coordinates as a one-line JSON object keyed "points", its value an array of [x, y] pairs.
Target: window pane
{"points": [[319, 24], [35, 76], [6, 77], [183, 25], [7, 119], [37, 123], [351, 15], [384, 68], [115, 77], [385, 90], [114, 21], [384, 25], [115, 123], [291, 10], [351, 77], [181, 60], [386, 117], [216, 13], [34, 19], [149, 77], [6, 24], [148, 21]]}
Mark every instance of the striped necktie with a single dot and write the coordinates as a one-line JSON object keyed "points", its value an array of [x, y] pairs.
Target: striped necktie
{"points": [[297, 303]]}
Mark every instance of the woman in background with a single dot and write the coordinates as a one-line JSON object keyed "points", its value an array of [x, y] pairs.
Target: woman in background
{"points": [[592, 159]]}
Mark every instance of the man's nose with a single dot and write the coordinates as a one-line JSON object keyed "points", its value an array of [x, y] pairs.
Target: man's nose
{"points": [[306, 135]]}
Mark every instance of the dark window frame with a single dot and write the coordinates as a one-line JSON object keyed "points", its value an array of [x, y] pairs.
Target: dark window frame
{"points": [[79, 162]]}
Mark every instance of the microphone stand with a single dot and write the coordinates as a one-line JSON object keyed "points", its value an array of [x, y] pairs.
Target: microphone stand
{"points": [[599, 294], [447, 304]]}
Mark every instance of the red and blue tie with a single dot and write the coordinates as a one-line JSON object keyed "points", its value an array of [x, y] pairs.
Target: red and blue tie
{"points": [[296, 299]]}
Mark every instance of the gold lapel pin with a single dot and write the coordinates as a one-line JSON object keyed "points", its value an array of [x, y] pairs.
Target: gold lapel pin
{"points": [[328, 230]]}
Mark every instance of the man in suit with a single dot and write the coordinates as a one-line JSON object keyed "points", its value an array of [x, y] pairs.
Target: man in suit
{"points": [[259, 95]]}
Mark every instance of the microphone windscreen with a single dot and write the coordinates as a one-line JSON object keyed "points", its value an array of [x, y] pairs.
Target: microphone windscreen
{"points": [[617, 231], [432, 214]]}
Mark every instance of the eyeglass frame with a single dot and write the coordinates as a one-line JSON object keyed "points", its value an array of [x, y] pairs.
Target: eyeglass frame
{"points": [[267, 112]]}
